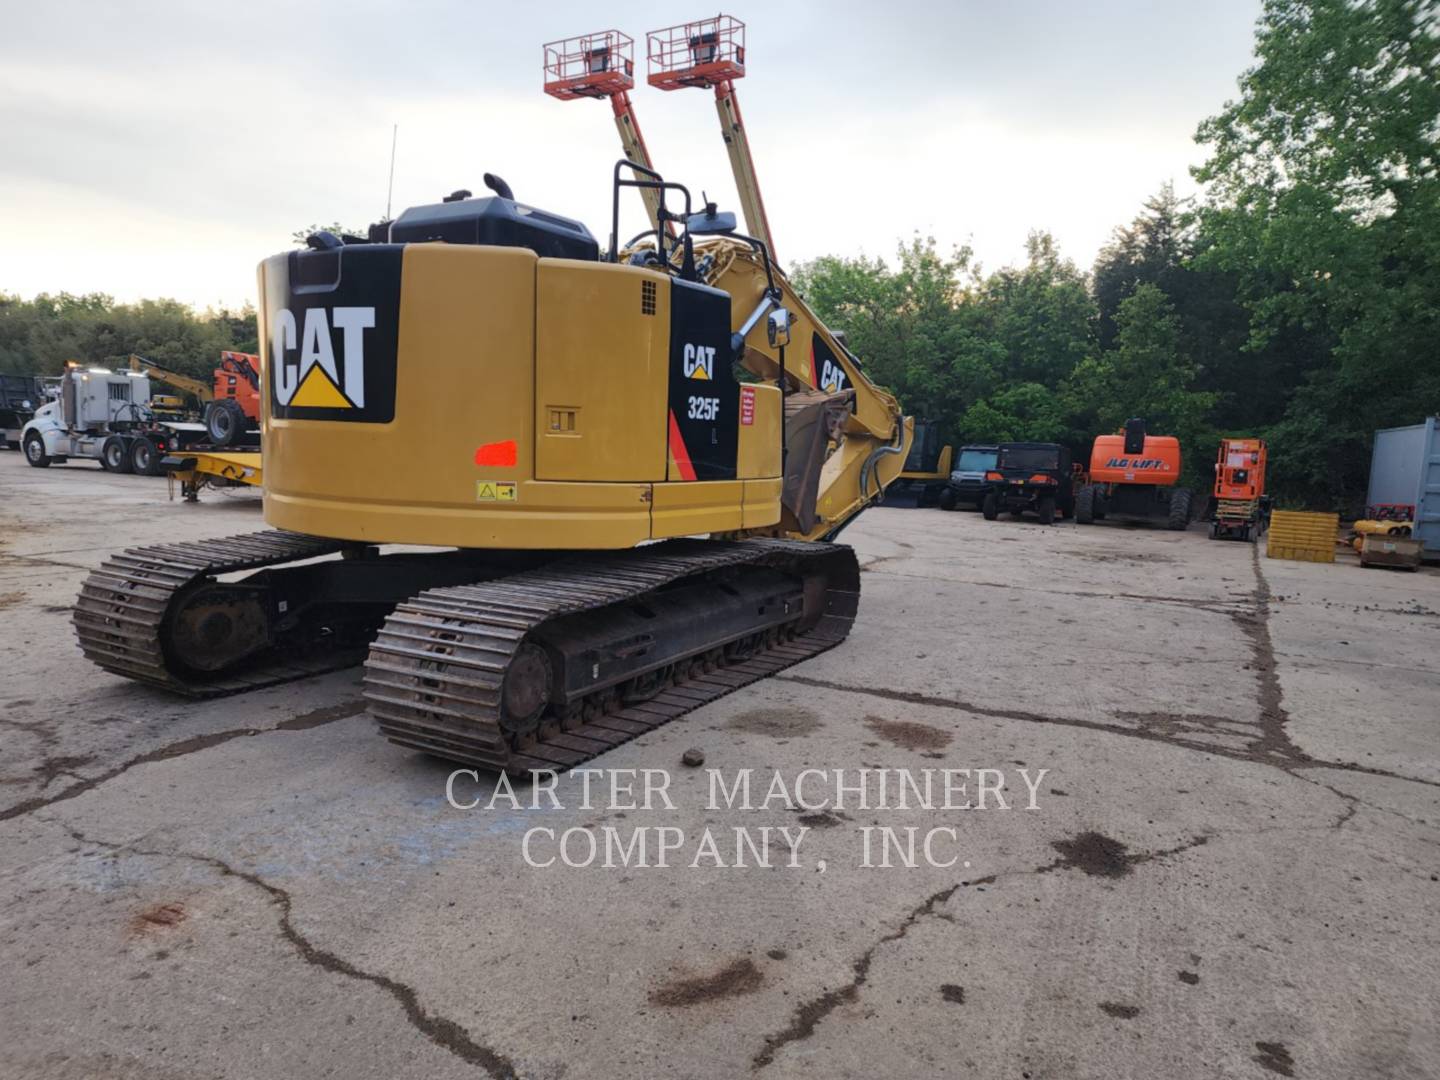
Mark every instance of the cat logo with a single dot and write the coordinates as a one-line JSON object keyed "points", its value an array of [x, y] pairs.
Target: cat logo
{"points": [[832, 377], [700, 362], [307, 374]]}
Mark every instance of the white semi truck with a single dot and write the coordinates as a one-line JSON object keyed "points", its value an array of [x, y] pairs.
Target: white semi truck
{"points": [[104, 416]]}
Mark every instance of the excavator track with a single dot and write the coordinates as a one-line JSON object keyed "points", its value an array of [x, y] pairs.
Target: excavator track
{"points": [[120, 616], [436, 677]]}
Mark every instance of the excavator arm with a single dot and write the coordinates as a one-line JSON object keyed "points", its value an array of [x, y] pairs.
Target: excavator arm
{"points": [[846, 439]]}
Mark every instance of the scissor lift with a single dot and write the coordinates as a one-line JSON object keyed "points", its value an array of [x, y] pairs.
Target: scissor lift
{"points": [[710, 53], [602, 65]]}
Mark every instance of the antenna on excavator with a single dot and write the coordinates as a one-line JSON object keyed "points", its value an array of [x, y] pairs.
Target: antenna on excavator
{"points": [[711, 53], [602, 65], [390, 191]]}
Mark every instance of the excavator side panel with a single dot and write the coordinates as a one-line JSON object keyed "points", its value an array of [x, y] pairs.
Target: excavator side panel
{"points": [[602, 342]]}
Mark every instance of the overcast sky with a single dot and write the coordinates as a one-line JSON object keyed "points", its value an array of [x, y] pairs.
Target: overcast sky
{"points": [[163, 148]]}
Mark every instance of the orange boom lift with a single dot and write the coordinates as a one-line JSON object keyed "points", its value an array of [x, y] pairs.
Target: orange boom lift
{"points": [[1134, 474], [602, 65], [710, 53]]}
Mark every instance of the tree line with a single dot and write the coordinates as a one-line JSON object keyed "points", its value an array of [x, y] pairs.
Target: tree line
{"points": [[38, 336], [1298, 299]]}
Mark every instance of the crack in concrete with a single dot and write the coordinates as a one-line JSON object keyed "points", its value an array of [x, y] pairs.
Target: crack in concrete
{"points": [[1274, 738], [302, 722], [445, 1033], [40, 560], [911, 697], [1271, 747], [1215, 606], [808, 1015]]}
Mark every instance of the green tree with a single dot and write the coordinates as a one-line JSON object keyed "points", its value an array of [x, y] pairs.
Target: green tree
{"points": [[912, 326], [1149, 375], [1324, 206], [984, 357], [1040, 314], [37, 336], [299, 236]]}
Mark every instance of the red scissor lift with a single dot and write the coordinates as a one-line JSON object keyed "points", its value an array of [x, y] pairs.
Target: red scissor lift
{"points": [[710, 53], [602, 65]]}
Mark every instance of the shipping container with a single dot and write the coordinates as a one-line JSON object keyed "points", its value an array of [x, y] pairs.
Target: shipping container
{"points": [[1405, 469]]}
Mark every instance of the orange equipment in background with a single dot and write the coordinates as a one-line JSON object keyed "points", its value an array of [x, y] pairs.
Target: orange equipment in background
{"points": [[1134, 474], [234, 411], [602, 65], [1241, 507]]}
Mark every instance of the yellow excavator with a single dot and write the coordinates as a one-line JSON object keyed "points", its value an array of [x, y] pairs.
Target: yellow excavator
{"points": [[558, 427]]}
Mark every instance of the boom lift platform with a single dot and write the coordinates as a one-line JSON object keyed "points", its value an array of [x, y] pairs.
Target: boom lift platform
{"points": [[602, 65], [710, 54]]}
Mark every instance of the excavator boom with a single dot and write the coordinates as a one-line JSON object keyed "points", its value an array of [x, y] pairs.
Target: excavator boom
{"points": [[834, 414]]}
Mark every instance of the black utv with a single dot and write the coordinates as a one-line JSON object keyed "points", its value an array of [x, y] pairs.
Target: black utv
{"points": [[1030, 476]]}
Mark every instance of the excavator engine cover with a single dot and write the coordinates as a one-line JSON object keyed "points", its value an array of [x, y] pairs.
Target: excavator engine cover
{"points": [[498, 221]]}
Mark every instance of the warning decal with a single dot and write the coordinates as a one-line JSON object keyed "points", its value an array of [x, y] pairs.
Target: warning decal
{"points": [[747, 405], [496, 491]]}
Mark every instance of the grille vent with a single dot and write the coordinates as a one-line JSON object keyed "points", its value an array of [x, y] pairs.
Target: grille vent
{"points": [[647, 298]]}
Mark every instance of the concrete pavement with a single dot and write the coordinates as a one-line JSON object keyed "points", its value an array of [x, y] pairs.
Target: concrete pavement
{"points": [[1231, 869]]}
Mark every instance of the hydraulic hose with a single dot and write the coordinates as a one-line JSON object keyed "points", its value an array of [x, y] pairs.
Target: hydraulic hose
{"points": [[880, 451]]}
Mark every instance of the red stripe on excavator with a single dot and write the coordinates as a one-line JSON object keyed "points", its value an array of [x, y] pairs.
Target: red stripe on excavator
{"points": [[678, 451], [497, 453]]}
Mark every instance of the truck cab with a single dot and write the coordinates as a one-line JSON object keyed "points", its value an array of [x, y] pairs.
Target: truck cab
{"points": [[104, 416], [967, 483]]}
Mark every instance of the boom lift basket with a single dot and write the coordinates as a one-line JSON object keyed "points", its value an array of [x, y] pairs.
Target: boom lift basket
{"points": [[703, 53], [591, 65]]}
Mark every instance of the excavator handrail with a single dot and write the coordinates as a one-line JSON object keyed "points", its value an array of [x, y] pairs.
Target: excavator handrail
{"points": [[661, 185]]}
